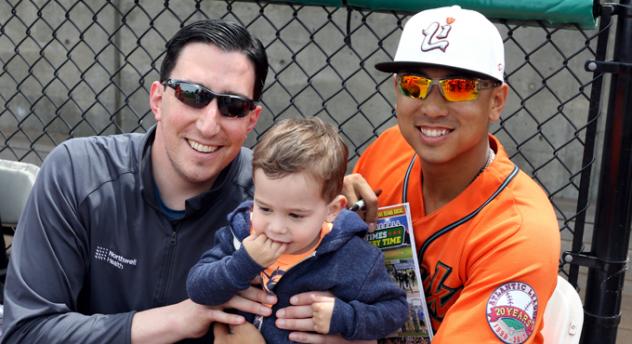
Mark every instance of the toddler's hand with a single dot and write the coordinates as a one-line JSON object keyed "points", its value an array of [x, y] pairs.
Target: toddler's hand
{"points": [[263, 250]]}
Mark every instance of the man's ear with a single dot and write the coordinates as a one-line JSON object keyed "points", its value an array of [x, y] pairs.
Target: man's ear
{"points": [[497, 102], [253, 117], [155, 99], [335, 206]]}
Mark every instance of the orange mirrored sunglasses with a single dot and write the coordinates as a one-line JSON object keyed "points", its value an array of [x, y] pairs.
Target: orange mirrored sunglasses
{"points": [[456, 89]]}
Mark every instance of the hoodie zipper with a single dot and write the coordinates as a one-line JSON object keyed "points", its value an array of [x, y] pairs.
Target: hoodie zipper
{"points": [[258, 321]]}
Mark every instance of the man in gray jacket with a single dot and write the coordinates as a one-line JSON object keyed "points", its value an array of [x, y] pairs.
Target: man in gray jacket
{"points": [[113, 224]]}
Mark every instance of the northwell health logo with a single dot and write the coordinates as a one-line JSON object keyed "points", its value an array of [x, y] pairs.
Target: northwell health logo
{"points": [[118, 261]]}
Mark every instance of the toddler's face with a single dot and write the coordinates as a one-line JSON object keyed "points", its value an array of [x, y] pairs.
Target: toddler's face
{"points": [[290, 209]]}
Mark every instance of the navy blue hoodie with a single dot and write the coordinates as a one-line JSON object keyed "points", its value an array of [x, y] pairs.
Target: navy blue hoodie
{"points": [[369, 305]]}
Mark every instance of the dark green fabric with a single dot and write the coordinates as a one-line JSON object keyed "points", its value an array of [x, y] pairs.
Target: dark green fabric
{"points": [[552, 12]]}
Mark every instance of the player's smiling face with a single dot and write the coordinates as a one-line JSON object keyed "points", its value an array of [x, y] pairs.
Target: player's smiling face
{"points": [[441, 131]]}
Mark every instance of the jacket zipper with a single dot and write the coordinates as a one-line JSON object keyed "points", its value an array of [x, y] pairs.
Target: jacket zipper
{"points": [[169, 261]]}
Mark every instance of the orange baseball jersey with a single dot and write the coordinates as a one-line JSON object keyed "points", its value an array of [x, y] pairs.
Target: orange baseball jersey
{"points": [[489, 257]]}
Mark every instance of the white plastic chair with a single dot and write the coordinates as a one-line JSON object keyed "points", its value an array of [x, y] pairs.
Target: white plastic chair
{"points": [[16, 181], [564, 315]]}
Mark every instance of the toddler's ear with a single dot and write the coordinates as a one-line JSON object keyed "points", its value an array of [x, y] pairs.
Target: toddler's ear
{"points": [[335, 206]]}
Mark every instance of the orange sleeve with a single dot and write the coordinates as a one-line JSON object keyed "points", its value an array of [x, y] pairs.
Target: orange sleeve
{"points": [[510, 272]]}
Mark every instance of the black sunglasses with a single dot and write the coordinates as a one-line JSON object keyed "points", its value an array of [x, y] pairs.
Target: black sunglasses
{"points": [[198, 96]]}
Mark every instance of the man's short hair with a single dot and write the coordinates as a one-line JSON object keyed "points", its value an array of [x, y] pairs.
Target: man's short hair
{"points": [[227, 36], [304, 145]]}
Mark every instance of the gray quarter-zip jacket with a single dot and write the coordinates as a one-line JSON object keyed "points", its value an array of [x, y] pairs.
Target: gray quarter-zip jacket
{"points": [[92, 245]]}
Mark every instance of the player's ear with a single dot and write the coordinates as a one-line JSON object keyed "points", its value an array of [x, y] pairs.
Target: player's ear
{"points": [[335, 206], [497, 102]]}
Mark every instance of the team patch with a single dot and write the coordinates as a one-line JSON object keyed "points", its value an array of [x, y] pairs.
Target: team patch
{"points": [[511, 312]]}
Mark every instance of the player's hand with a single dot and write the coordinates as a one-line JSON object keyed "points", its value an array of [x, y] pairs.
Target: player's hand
{"points": [[300, 315], [355, 187], [314, 310], [322, 311], [263, 250], [300, 319], [244, 333]]}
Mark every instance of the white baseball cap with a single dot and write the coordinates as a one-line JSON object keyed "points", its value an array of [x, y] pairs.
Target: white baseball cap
{"points": [[449, 37]]}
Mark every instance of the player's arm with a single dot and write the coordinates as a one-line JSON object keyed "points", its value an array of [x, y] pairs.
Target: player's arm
{"points": [[511, 279]]}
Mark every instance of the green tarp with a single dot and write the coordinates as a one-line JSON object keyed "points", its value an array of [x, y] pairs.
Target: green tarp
{"points": [[552, 12]]}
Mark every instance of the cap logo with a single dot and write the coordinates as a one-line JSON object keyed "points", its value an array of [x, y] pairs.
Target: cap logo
{"points": [[435, 35]]}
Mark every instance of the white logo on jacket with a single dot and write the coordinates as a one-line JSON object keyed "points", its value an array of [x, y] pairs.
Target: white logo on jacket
{"points": [[116, 260]]}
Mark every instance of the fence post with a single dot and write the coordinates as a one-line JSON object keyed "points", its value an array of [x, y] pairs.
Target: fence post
{"points": [[614, 203]]}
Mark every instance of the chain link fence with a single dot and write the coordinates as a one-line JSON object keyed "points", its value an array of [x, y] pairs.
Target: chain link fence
{"points": [[77, 68]]}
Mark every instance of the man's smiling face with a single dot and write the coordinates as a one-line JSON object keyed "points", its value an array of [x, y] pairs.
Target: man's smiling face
{"points": [[195, 145]]}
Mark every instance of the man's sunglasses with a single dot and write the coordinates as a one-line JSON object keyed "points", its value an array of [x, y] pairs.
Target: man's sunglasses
{"points": [[453, 89], [198, 96]]}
